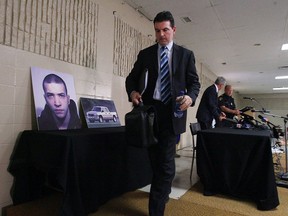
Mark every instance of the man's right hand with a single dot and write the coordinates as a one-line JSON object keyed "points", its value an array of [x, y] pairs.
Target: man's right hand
{"points": [[236, 112], [135, 98], [222, 116]]}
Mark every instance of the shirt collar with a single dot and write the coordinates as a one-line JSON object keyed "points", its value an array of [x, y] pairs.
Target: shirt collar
{"points": [[169, 46], [216, 88]]}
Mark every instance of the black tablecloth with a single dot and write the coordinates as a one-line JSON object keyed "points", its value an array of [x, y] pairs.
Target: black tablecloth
{"points": [[90, 166], [237, 162]]}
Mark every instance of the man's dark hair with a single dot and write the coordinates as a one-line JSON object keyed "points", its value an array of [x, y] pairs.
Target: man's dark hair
{"points": [[165, 16], [53, 78]]}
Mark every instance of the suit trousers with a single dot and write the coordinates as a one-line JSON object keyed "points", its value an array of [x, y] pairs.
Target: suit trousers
{"points": [[162, 157], [205, 125]]}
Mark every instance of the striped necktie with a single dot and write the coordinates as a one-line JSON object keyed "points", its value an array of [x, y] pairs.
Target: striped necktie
{"points": [[164, 76]]}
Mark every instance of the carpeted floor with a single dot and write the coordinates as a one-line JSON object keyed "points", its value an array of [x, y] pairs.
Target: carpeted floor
{"points": [[241, 207], [193, 203], [135, 203], [48, 206]]}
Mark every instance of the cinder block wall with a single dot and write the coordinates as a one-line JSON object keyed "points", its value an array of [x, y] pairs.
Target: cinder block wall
{"points": [[64, 30]]}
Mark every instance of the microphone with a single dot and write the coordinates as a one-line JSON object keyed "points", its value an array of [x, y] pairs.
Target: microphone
{"points": [[263, 119], [261, 111], [248, 98]]}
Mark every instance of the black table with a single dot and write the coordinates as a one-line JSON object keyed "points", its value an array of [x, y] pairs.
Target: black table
{"points": [[90, 166], [238, 163]]}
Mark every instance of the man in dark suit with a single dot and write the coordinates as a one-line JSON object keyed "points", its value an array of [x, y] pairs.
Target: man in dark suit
{"points": [[208, 109], [182, 77]]}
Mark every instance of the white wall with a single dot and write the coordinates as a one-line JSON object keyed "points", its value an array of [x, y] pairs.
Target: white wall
{"points": [[276, 104]]}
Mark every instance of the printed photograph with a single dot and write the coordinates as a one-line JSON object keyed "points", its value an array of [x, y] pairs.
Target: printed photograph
{"points": [[99, 113], [55, 100]]}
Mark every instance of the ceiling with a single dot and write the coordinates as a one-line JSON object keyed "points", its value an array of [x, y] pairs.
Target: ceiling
{"points": [[238, 39]]}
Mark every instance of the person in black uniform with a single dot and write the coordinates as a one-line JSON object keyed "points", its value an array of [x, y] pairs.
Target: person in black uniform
{"points": [[227, 105]]}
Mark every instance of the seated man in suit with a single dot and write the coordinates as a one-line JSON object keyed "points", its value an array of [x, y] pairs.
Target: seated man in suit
{"points": [[208, 109]]}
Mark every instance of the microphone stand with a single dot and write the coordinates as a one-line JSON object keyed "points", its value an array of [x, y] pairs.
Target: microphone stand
{"points": [[262, 108], [285, 175]]}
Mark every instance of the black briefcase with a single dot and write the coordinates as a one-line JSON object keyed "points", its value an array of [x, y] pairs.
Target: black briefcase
{"points": [[141, 126]]}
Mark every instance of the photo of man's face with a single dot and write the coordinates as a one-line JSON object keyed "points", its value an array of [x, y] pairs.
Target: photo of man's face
{"points": [[57, 99]]}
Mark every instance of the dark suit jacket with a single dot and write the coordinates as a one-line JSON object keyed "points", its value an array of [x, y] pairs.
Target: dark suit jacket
{"points": [[184, 77], [208, 108]]}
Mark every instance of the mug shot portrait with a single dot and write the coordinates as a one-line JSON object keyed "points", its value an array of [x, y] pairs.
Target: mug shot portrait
{"points": [[55, 100]]}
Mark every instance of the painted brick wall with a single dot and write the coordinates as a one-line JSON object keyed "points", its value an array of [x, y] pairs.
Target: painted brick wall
{"points": [[62, 29]]}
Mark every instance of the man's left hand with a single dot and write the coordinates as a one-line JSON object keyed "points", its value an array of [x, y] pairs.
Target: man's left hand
{"points": [[185, 102]]}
